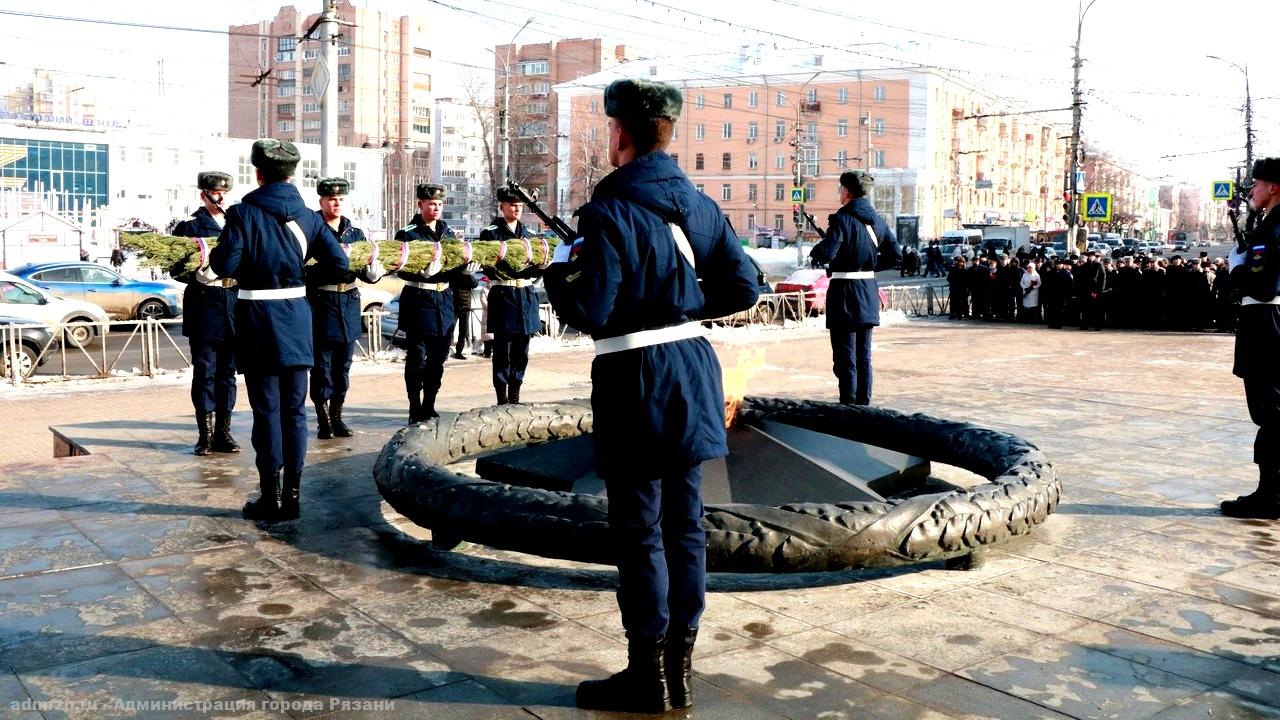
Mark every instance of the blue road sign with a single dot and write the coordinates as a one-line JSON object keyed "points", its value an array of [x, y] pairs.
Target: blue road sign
{"points": [[1097, 207], [1223, 189]]}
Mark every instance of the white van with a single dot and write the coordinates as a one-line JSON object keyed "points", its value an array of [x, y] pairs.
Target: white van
{"points": [[21, 299]]}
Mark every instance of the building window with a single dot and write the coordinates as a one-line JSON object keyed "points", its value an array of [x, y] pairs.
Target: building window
{"points": [[812, 131], [124, 155], [593, 134], [144, 155], [700, 101], [780, 99], [310, 172], [308, 90], [726, 161], [344, 72], [699, 131], [753, 99], [697, 162], [310, 55], [285, 89], [286, 43], [595, 105], [879, 93], [284, 126], [245, 174], [535, 67], [728, 130], [541, 107], [753, 130], [780, 130], [310, 124], [879, 126], [842, 128], [753, 161], [808, 193], [813, 95], [879, 158], [779, 161], [286, 109], [777, 222], [842, 95], [883, 202], [728, 100], [842, 158], [344, 105], [311, 107], [287, 75], [752, 192], [726, 192], [344, 50], [751, 221], [779, 191]]}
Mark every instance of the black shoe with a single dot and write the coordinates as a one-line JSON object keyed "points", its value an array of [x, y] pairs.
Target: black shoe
{"points": [[679, 667], [641, 688], [513, 393], [1255, 505], [203, 421], [222, 440], [289, 496], [458, 356], [501, 392], [324, 430], [267, 507], [340, 428]]}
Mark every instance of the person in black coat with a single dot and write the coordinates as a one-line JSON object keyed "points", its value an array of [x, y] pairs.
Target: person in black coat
{"points": [[514, 316], [656, 258], [1255, 274], [427, 308], [1008, 290], [858, 242], [268, 239], [980, 289], [1090, 280], [1056, 289], [958, 283], [335, 312], [208, 306]]}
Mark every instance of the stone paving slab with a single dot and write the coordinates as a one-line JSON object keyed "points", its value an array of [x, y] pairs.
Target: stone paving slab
{"points": [[128, 574]]}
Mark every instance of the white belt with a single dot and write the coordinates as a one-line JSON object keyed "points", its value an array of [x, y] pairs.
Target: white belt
{"points": [[438, 287], [859, 275], [513, 283], [339, 288], [1250, 301], [645, 338], [273, 293]]}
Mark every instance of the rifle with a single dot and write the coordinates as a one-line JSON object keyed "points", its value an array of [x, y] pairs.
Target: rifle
{"points": [[556, 225], [808, 216], [1233, 212]]}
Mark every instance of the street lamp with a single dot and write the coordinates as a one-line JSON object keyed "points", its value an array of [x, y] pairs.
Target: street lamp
{"points": [[1248, 116], [506, 101], [1076, 107]]}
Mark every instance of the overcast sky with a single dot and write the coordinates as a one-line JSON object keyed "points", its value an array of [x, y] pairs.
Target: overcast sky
{"points": [[1151, 90]]}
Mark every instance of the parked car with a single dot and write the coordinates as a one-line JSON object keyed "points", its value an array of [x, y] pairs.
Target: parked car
{"points": [[21, 299], [764, 237], [371, 298], [33, 340], [120, 297], [813, 283], [1181, 245]]}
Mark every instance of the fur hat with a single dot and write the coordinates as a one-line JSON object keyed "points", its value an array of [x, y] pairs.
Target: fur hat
{"points": [[858, 182], [1267, 169], [330, 187], [276, 154], [213, 180], [639, 99], [429, 191], [505, 195]]}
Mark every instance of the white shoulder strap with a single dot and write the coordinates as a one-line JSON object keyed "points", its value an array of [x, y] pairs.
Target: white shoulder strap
{"points": [[871, 230], [301, 236], [682, 244]]}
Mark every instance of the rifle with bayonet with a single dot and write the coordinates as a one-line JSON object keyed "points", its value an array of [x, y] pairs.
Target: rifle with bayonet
{"points": [[808, 218], [1241, 197], [555, 224]]}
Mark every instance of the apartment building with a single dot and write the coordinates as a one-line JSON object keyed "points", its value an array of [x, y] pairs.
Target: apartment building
{"points": [[756, 127], [528, 75], [461, 165]]}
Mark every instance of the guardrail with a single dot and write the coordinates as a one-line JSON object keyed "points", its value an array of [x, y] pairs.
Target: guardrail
{"points": [[916, 300]]}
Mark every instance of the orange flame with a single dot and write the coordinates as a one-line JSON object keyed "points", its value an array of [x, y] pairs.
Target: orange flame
{"points": [[736, 378]]}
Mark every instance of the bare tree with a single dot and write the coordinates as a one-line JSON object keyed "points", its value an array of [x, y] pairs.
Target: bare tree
{"points": [[478, 94]]}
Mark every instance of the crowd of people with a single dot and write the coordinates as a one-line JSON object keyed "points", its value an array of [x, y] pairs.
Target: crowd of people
{"points": [[1095, 292]]}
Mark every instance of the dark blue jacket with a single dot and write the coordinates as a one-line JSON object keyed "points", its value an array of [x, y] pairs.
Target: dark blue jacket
{"points": [[512, 310], [335, 316], [660, 407], [1258, 328], [258, 250], [849, 248], [427, 312], [208, 311]]}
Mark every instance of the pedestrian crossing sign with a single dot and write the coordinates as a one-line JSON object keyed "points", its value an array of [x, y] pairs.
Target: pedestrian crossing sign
{"points": [[1223, 189], [1097, 207], [797, 194]]}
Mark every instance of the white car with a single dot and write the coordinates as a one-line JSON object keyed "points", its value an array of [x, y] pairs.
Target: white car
{"points": [[371, 298], [21, 299]]}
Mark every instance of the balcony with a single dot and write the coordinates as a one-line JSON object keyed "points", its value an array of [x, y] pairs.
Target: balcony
{"points": [[811, 107]]}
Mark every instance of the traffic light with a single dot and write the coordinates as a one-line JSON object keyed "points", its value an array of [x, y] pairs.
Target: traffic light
{"points": [[1066, 208], [795, 215]]}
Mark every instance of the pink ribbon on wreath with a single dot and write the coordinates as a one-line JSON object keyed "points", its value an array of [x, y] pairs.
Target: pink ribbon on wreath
{"points": [[373, 252], [436, 261], [546, 252], [404, 255], [466, 251], [502, 251], [528, 251], [202, 246]]}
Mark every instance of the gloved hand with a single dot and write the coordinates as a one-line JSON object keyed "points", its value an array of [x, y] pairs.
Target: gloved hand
{"points": [[206, 275], [473, 267], [1235, 259], [375, 271], [562, 253]]}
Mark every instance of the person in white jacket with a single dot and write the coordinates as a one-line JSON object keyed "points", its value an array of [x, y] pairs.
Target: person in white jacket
{"points": [[1030, 308]]}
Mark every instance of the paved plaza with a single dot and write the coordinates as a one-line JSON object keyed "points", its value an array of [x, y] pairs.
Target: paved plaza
{"points": [[130, 586]]}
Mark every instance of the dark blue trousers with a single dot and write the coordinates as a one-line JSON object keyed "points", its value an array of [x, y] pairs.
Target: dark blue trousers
{"points": [[213, 376], [331, 377], [424, 366], [279, 402], [510, 358], [851, 351], [662, 550]]}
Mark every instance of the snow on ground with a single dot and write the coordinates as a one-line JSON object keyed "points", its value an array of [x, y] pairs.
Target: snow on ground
{"points": [[779, 262]]}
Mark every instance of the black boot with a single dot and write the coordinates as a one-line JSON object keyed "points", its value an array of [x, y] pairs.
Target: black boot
{"points": [[641, 688], [513, 393], [501, 391], [415, 410], [324, 430], [267, 507], [203, 421], [340, 428], [488, 348], [289, 495], [680, 667], [1261, 504], [222, 440]]}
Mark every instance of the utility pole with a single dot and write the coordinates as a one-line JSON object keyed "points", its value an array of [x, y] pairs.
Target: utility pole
{"points": [[866, 156], [329, 102], [506, 105], [1077, 106], [798, 214]]}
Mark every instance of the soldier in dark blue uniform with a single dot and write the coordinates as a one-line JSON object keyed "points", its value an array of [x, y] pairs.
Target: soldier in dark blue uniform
{"points": [[207, 321], [426, 308], [335, 313], [513, 302], [268, 239], [858, 243], [632, 283], [1255, 276]]}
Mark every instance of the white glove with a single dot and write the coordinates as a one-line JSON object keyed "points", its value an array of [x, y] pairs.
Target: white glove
{"points": [[562, 253], [206, 275], [1235, 259], [473, 267], [374, 272]]}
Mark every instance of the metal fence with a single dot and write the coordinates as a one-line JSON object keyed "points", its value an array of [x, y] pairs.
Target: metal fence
{"points": [[917, 300]]}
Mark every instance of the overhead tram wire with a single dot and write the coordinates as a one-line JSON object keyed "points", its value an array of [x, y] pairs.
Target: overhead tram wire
{"points": [[872, 21]]}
